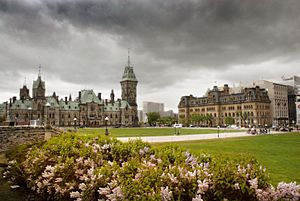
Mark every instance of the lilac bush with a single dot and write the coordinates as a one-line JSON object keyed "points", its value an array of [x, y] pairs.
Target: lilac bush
{"points": [[70, 167]]}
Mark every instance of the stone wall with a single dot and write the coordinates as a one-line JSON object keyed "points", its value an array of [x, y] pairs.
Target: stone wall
{"points": [[13, 136]]}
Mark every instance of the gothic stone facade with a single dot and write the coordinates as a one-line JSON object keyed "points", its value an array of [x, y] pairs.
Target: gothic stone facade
{"points": [[88, 109], [249, 107]]}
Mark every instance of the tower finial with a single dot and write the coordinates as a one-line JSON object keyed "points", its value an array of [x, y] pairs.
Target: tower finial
{"points": [[128, 57], [40, 70]]}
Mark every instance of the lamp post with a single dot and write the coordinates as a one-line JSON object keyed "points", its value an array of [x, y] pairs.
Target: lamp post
{"points": [[218, 131], [29, 116], [47, 111], [255, 123], [75, 120], [16, 121], [106, 121]]}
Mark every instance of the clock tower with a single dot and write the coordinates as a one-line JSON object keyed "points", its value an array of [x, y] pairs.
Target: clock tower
{"points": [[129, 89]]}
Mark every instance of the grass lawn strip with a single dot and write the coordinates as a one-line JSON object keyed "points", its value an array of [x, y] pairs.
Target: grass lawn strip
{"points": [[139, 132], [280, 154]]}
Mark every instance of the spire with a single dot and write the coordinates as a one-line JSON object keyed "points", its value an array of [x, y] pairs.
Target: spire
{"points": [[40, 70], [128, 71], [112, 97], [128, 57], [24, 84]]}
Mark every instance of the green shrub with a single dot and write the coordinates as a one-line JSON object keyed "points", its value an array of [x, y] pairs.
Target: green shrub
{"points": [[72, 167]]}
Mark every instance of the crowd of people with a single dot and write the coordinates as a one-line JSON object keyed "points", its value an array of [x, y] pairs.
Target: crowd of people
{"points": [[256, 131]]}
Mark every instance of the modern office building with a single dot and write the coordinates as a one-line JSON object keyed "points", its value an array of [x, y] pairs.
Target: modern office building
{"points": [[278, 94], [152, 107], [293, 97]]}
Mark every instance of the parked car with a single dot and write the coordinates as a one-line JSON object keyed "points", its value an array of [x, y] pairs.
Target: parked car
{"points": [[177, 125], [233, 127]]}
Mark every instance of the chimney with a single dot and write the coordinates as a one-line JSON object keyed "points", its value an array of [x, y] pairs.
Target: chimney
{"points": [[66, 100], [10, 102], [14, 99], [79, 95], [226, 89], [99, 96]]}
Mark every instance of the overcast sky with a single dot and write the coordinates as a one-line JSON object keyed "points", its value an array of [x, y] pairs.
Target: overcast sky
{"points": [[178, 47]]}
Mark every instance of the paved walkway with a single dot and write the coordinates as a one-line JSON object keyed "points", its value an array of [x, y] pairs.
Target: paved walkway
{"points": [[178, 138]]}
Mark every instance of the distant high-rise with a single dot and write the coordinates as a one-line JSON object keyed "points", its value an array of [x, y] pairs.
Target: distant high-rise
{"points": [[152, 107], [293, 97]]}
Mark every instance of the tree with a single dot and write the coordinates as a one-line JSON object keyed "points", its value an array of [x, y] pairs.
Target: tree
{"points": [[244, 116], [229, 120], [209, 118], [153, 117], [168, 120], [196, 118]]}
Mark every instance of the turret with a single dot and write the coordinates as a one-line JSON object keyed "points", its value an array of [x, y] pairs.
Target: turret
{"points": [[112, 97], [38, 87], [129, 89], [129, 85], [24, 93]]}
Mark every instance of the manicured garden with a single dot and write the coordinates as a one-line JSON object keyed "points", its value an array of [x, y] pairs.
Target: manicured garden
{"points": [[136, 132], [280, 154]]}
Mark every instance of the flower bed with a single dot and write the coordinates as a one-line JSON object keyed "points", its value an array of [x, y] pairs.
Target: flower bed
{"points": [[70, 167]]}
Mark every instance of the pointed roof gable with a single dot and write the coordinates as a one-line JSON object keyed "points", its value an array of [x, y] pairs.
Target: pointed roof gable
{"points": [[38, 82], [88, 96], [129, 74], [52, 101]]}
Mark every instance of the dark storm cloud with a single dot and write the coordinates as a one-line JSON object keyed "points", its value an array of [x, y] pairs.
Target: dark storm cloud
{"points": [[84, 42], [212, 33], [194, 33]]}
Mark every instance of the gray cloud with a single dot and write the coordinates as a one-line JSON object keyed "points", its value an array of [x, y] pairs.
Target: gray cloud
{"points": [[84, 42], [211, 32]]}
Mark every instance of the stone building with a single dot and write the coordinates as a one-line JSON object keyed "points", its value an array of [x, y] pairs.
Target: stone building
{"points": [[249, 107], [88, 109]]}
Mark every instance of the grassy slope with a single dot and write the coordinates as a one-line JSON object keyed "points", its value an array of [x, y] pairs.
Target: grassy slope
{"points": [[279, 153], [133, 132]]}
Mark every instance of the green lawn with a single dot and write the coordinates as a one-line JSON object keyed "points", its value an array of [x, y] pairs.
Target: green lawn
{"points": [[136, 132], [280, 154]]}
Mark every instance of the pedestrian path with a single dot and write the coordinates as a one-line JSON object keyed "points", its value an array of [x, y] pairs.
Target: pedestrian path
{"points": [[178, 138]]}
